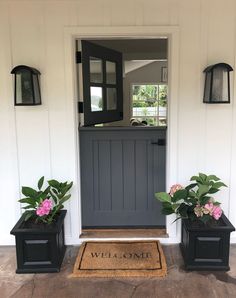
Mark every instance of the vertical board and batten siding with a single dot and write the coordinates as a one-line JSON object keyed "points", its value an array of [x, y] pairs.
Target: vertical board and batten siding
{"points": [[39, 140]]}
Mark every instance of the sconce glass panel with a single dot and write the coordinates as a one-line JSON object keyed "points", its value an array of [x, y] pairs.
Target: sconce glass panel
{"points": [[217, 83], [36, 89], [220, 91], [207, 87], [27, 89]]}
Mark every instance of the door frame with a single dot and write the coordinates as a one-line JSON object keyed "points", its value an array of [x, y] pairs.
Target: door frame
{"points": [[71, 34]]}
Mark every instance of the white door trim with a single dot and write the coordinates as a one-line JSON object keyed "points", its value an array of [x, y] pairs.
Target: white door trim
{"points": [[70, 35]]}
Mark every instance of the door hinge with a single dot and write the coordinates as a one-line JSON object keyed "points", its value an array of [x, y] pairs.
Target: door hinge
{"points": [[78, 57], [80, 107]]}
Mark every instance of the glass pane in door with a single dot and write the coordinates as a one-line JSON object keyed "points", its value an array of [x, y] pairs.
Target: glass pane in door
{"points": [[96, 99], [95, 65], [111, 72]]}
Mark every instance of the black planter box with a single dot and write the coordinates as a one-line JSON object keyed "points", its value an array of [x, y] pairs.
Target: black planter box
{"points": [[40, 249], [204, 247]]}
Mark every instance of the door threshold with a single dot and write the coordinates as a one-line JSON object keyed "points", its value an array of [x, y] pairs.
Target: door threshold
{"points": [[124, 233]]}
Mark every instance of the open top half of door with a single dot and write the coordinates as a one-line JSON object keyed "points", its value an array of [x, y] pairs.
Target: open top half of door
{"points": [[102, 84]]}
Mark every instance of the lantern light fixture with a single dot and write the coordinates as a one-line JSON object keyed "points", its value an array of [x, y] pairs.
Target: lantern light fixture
{"points": [[217, 83], [27, 88]]}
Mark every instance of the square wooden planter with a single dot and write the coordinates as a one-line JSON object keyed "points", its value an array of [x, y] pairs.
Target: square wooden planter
{"points": [[40, 249], [206, 248]]}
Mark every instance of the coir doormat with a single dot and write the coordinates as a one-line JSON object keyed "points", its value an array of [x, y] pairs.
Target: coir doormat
{"points": [[120, 259]]}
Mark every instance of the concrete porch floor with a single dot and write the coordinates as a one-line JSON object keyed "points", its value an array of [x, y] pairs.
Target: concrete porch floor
{"points": [[178, 282]]}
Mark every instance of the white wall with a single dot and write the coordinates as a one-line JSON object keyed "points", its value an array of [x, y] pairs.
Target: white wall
{"points": [[38, 141]]}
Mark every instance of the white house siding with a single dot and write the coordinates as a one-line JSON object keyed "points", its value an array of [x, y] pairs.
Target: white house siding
{"points": [[39, 141]]}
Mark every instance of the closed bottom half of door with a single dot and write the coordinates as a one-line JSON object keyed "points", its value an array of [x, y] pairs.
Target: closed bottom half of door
{"points": [[121, 169]]}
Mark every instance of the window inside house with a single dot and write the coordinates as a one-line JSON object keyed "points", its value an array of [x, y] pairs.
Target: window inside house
{"points": [[149, 103]]}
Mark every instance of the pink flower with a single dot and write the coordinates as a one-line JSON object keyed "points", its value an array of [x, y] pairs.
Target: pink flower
{"points": [[44, 208], [209, 208], [47, 204], [213, 210], [217, 212], [41, 211], [174, 188]]}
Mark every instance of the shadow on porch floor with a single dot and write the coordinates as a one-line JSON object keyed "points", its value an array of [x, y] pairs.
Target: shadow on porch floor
{"points": [[178, 282]]}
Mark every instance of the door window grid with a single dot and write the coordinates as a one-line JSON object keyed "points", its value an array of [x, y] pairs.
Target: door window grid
{"points": [[102, 85]]}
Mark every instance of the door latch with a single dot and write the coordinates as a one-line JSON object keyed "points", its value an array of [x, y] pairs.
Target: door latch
{"points": [[159, 142]]}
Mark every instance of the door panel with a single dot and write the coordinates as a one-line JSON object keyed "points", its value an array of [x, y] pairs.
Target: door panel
{"points": [[102, 84], [121, 169]]}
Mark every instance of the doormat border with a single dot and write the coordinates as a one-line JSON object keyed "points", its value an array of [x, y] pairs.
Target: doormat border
{"points": [[160, 271]]}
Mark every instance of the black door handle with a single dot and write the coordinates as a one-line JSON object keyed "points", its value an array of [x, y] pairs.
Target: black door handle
{"points": [[159, 142]]}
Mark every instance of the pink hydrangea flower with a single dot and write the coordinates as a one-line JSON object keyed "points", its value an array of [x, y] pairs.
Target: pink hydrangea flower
{"points": [[217, 212], [47, 204], [44, 208], [209, 208], [174, 188], [213, 210]]}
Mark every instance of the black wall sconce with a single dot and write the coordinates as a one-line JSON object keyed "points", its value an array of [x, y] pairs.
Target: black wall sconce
{"points": [[27, 89], [217, 85]]}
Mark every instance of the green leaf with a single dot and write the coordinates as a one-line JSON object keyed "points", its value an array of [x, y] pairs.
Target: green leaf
{"points": [[175, 206], [28, 207], [47, 190], [54, 197], [190, 186], [40, 182], [219, 184], [27, 215], [60, 207], [196, 178], [191, 201], [192, 194], [163, 197], [182, 210], [29, 201], [42, 196], [213, 190], [65, 188], [25, 200], [203, 189], [180, 194], [54, 183], [176, 219], [70, 185], [212, 177], [204, 200], [29, 192], [167, 211], [63, 200], [203, 176]]}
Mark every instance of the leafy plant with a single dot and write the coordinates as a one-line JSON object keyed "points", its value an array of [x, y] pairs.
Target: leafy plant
{"points": [[194, 201], [44, 204]]}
